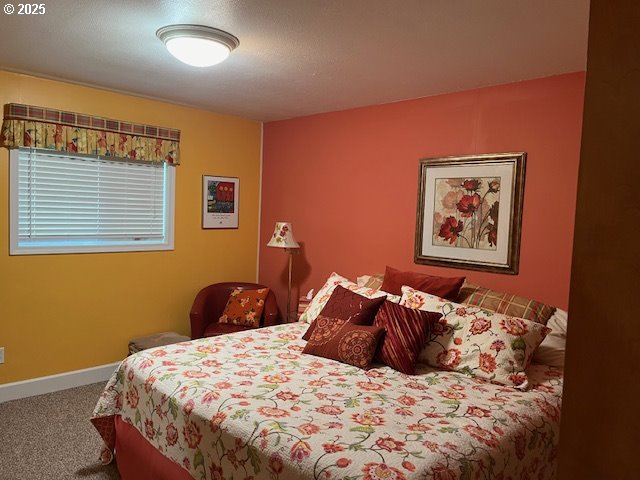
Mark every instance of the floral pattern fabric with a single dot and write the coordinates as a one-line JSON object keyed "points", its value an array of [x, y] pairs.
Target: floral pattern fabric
{"points": [[244, 307], [250, 405], [466, 212], [477, 342], [28, 126]]}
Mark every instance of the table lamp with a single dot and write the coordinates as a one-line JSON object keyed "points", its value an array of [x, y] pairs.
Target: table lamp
{"points": [[283, 238]]}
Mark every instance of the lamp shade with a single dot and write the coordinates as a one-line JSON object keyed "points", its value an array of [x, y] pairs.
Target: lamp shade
{"points": [[283, 236]]}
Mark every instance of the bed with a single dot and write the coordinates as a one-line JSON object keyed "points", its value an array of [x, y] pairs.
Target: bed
{"points": [[251, 405]]}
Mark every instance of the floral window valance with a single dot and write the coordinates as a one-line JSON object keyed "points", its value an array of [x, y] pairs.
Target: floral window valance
{"points": [[28, 126]]}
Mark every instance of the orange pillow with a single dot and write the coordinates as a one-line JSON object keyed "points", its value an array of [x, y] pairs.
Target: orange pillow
{"points": [[244, 307]]}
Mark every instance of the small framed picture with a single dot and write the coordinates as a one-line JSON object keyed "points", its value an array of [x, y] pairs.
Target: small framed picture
{"points": [[220, 202], [469, 212]]}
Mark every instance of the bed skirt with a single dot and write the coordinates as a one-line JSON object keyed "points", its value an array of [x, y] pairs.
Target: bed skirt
{"points": [[137, 459]]}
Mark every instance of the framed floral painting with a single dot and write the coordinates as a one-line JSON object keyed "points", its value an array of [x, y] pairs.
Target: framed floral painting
{"points": [[220, 202], [469, 212]]}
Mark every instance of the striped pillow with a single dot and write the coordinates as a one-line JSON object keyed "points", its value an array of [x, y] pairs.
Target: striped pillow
{"points": [[407, 332], [506, 303]]}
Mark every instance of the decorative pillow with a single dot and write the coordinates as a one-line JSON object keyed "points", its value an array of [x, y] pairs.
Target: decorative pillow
{"points": [[474, 341], [506, 303], [551, 350], [323, 295], [444, 287], [371, 281], [303, 303], [344, 341], [244, 307], [350, 306], [407, 332]]}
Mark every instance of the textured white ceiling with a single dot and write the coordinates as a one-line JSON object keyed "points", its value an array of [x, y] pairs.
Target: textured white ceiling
{"points": [[299, 57]]}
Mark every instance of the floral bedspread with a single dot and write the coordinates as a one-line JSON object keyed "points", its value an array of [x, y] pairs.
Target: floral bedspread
{"points": [[250, 405]]}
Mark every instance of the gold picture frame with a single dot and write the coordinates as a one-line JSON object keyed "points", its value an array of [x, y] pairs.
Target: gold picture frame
{"points": [[469, 211]]}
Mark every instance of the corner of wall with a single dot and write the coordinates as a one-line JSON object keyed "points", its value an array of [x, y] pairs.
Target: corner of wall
{"points": [[260, 201]]}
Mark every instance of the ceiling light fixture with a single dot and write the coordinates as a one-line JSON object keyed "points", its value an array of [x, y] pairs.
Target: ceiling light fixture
{"points": [[197, 45]]}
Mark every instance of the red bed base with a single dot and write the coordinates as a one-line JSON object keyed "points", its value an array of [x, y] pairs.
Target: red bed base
{"points": [[137, 459]]}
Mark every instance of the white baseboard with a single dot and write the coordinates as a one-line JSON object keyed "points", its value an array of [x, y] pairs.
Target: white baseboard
{"points": [[53, 383]]}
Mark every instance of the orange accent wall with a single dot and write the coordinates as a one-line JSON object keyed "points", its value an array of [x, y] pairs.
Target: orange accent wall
{"points": [[348, 182]]}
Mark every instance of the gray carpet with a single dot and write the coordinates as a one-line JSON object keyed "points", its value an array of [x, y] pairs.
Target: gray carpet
{"points": [[49, 437]]}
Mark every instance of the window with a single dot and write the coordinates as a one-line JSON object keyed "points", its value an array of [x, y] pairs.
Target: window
{"points": [[68, 203]]}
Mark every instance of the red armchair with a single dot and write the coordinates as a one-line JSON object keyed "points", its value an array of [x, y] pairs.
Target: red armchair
{"points": [[209, 305]]}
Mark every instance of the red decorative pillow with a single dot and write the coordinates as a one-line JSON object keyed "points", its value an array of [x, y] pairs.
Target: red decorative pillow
{"points": [[407, 333], [443, 287], [341, 340], [350, 306], [244, 307]]}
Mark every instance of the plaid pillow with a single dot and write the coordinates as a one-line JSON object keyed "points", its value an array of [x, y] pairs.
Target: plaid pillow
{"points": [[505, 303], [371, 281]]}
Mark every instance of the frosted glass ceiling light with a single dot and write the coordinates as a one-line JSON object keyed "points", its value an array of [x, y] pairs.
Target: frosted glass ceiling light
{"points": [[197, 45]]}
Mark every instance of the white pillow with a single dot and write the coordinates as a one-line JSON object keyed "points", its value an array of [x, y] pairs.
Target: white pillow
{"points": [[322, 297], [551, 350]]}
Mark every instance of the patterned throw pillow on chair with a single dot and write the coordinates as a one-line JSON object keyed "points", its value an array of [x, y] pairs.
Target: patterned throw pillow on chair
{"points": [[244, 307]]}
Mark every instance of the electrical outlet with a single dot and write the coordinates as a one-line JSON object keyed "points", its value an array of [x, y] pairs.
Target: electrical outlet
{"points": [[1, 354]]}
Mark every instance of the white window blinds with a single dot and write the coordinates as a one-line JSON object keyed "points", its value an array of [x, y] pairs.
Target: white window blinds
{"points": [[65, 201]]}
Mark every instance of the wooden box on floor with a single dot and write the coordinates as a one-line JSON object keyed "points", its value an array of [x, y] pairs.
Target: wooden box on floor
{"points": [[156, 340]]}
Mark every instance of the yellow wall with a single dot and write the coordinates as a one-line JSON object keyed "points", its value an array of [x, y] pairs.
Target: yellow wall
{"points": [[67, 312]]}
